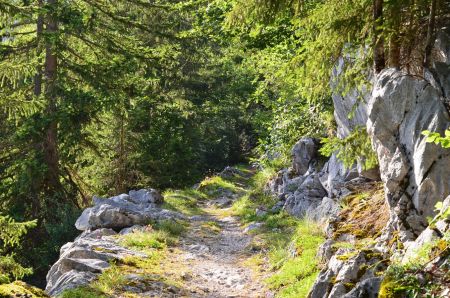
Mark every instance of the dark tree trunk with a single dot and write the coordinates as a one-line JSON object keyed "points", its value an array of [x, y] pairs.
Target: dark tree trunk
{"points": [[394, 41], [50, 145], [430, 34], [378, 40], [39, 30]]}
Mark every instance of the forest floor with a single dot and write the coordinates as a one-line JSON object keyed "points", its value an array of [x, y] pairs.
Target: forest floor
{"points": [[229, 245]]}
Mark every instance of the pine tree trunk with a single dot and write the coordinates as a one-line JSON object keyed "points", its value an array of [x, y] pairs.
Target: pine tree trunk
{"points": [[394, 42], [430, 34], [378, 40], [50, 145], [39, 30]]}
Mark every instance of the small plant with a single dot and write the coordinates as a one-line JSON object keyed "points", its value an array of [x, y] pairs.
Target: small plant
{"points": [[434, 137], [357, 147], [173, 227]]}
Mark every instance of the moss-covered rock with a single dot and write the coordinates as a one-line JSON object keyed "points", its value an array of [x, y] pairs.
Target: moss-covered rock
{"points": [[21, 289]]}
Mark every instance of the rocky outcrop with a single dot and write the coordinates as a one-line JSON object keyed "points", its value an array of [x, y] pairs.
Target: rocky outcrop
{"points": [[136, 208], [299, 189], [82, 260], [350, 110], [349, 272], [304, 155], [92, 252], [412, 170]]}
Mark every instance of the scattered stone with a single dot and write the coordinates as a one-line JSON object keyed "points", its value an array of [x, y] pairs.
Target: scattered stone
{"points": [[135, 228], [221, 202], [253, 226], [260, 212]]}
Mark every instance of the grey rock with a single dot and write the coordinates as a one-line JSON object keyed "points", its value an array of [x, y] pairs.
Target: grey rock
{"points": [[334, 175], [82, 260], [412, 248], [135, 228], [325, 251], [411, 169], [322, 286], [145, 196], [260, 212], [221, 202], [338, 291], [253, 226], [350, 110], [138, 208], [326, 209], [277, 207], [442, 46], [304, 153], [368, 288]]}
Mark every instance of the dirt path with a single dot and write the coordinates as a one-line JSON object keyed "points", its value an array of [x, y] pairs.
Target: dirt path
{"points": [[210, 259], [214, 250]]}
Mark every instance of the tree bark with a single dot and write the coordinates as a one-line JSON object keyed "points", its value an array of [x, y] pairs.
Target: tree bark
{"points": [[39, 30], [394, 41], [50, 145], [430, 34], [378, 40]]}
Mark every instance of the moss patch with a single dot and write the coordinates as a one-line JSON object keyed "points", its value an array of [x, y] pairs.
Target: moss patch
{"points": [[364, 214], [18, 288]]}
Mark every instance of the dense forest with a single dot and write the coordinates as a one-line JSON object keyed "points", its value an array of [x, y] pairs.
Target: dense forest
{"points": [[101, 97]]}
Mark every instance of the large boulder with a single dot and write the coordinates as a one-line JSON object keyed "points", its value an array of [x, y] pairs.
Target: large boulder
{"points": [[82, 260], [125, 210], [415, 173]]}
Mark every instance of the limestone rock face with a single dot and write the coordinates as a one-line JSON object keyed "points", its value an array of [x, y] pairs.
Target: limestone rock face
{"points": [[136, 208], [350, 110], [304, 153], [82, 260], [412, 170]]}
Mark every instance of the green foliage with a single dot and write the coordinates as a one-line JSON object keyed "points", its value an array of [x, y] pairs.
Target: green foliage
{"points": [[11, 234], [434, 137], [356, 147]]}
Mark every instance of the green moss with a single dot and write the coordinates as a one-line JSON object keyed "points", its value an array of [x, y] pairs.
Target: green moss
{"points": [[82, 292], [20, 288], [349, 285], [347, 256]]}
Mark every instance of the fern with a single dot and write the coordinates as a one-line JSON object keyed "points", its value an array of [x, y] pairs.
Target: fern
{"points": [[352, 149]]}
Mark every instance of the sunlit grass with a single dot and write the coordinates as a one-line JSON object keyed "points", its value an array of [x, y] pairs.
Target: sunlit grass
{"points": [[185, 201]]}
